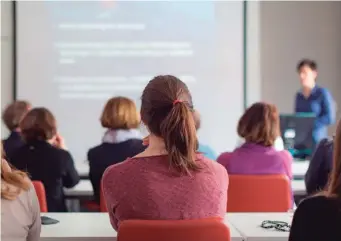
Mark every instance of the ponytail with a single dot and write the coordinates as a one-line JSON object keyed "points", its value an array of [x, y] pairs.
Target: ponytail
{"points": [[179, 134]]}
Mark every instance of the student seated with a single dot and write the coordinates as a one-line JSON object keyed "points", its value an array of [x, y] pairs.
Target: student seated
{"points": [[20, 215], [11, 117], [120, 141], [169, 180], [259, 126], [319, 217], [320, 167], [204, 149], [44, 157]]}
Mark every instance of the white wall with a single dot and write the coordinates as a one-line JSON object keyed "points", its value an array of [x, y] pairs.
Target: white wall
{"points": [[6, 57], [279, 34], [294, 30]]}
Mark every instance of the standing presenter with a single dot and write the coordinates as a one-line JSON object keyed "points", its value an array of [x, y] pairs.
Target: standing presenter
{"points": [[314, 99]]}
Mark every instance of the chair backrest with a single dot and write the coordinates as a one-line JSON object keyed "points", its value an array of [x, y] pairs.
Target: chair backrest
{"points": [[102, 204], [174, 230], [41, 194], [259, 193]]}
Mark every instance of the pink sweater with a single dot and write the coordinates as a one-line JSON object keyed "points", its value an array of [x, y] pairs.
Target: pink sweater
{"points": [[147, 188]]}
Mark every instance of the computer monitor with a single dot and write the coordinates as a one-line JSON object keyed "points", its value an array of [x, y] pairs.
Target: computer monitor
{"points": [[297, 133]]}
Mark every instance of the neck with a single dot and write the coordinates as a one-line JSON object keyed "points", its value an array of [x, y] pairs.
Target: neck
{"points": [[156, 145]]}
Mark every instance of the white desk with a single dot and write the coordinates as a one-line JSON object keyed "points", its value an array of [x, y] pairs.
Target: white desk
{"points": [[78, 226], [298, 187], [91, 226], [299, 168], [82, 189], [248, 224], [82, 169]]}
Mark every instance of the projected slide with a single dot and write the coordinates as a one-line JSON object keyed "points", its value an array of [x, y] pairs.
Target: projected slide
{"points": [[73, 56]]}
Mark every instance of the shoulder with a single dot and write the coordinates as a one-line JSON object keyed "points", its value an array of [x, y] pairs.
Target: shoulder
{"points": [[136, 144], [284, 155], [116, 171], [318, 204], [323, 91], [213, 166], [93, 151], [225, 156]]}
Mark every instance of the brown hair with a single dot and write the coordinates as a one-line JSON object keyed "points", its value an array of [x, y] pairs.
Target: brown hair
{"points": [[120, 113], [12, 181], [13, 113], [38, 124], [260, 124], [167, 111], [334, 186]]}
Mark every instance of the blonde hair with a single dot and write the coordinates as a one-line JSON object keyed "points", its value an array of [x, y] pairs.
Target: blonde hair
{"points": [[334, 186], [120, 113], [12, 181]]}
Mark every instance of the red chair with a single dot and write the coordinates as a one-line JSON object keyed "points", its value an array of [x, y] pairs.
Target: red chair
{"points": [[259, 193], [173, 230], [93, 206], [41, 194]]}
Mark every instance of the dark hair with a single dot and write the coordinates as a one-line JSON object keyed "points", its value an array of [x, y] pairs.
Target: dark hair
{"points": [[38, 124], [171, 120], [334, 186], [260, 124], [14, 113], [306, 62]]}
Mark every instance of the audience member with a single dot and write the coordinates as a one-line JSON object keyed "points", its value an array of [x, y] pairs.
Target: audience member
{"points": [[20, 215], [11, 117], [259, 126], [319, 217], [320, 167], [169, 180], [206, 150], [44, 157], [120, 141]]}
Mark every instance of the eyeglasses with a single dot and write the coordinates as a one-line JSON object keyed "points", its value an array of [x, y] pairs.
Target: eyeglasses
{"points": [[277, 225]]}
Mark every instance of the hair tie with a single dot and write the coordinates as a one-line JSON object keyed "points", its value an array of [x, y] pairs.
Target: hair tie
{"points": [[176, 102]]}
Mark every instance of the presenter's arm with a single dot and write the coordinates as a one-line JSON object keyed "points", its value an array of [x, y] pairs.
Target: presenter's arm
{"points": [[327, 116]]}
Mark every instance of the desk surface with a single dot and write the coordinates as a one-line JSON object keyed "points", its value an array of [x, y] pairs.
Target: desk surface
{"points": [[299, 168], [90, 226], [248, 224]]}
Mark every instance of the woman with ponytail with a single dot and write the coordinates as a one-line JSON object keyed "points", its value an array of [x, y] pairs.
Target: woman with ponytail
{"points": [[20, 215], [319, 217], [169, 180]]}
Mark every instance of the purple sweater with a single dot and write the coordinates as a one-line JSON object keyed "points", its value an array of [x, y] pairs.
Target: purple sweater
{"points": [[256, 159]]}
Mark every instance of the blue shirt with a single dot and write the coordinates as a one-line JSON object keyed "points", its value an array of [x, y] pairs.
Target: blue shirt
{"points": [[321, 103], [207, 152]]}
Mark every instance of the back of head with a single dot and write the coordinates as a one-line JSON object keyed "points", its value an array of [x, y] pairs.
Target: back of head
{"points": [[167, 111], [197, 119], [14, 113], [120, 113], [334, 187], [38, 124], [12, 181], [260, 124]]}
